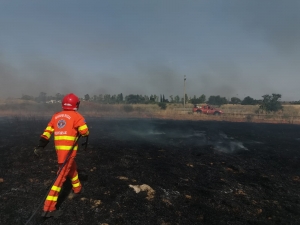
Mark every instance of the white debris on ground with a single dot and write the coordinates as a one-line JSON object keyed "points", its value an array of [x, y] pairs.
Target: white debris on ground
{"points": [[122, 178], [144, 187]]}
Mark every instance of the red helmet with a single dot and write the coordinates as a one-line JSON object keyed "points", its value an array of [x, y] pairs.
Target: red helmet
{"points": [[70, 102]]}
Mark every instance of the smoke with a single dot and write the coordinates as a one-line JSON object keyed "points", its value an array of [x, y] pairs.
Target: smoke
{"points": [[159, 76], [33, 76], [225, 48], [37, 74], [155, 134], [219, 78], [228, 145], [277, 21], [9, 82]]}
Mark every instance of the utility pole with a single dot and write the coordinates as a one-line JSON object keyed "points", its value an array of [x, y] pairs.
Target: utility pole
{"points": [[184, 91]]}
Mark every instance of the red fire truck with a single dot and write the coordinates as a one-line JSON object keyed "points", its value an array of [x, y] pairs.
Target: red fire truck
{"points": [[207, 109]]}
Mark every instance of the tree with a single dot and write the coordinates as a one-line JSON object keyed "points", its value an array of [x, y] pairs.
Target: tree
{"points": [[106, 98], [217, 100], [152, 98], [94, 98], [177, 99], [42, 97], [87, 97], [202, 98], [27, 97], [113, 99], [134, 99], [235, 100], [100, 98], [141, 99], [199, 100], [270, 103], [147, 99], [248, 101], [120, 98], [59, 97], [186, 99]]}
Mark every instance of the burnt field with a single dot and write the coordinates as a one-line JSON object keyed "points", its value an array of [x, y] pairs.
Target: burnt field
{"points": [[158, 172]]}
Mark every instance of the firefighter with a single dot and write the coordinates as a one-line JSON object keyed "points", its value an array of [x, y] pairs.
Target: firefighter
{"points": [[66, 126]]}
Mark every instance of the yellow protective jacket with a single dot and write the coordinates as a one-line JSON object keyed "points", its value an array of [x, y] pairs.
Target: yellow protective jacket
{"points": [[65, 125]]}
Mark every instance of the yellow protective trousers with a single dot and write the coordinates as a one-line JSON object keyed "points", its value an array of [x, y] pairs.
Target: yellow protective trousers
{"points": [[68, 171]]}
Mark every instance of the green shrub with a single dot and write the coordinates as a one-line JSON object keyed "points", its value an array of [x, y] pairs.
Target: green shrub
{"points": [[271, 103], [128, 108], [162, 105]]}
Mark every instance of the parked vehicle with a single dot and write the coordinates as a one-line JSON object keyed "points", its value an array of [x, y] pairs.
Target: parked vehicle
{"points": [[207, 109]]}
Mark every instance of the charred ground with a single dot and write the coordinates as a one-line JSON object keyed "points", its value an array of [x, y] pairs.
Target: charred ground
{"points": [[193, 173]]}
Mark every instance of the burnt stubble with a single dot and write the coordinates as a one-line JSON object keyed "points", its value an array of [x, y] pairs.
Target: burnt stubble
{"points": [[142, 171]]}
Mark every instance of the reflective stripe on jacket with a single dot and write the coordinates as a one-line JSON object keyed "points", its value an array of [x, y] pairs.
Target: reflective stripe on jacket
{"points": [[66, 125]]}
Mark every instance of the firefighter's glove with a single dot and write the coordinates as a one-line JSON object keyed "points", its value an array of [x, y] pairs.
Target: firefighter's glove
{"points": [[85, 143], [38, 151]]}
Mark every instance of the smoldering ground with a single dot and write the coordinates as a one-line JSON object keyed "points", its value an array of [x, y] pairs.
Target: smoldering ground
{"points": [[159, 172], [160, 134]]}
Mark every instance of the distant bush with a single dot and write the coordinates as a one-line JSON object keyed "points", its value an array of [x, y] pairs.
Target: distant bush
{"points": [[162, 105], [249, 101], [217, 100], [128, 108], [271, 103], [235, 100]]}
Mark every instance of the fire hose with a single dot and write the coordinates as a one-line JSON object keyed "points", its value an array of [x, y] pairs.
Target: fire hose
{"points": [[59, 171]]}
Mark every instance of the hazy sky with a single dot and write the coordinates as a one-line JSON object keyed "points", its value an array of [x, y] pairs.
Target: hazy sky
{"points": [[229, 48]]}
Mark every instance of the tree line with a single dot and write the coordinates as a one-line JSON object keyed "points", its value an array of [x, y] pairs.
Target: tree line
{"points": [[268, 103], [145, 99]]}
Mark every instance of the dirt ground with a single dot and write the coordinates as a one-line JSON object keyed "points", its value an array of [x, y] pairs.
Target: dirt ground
{"points": [[161, 172]]}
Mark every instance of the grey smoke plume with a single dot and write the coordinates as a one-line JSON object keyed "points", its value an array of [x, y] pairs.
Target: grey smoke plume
{"points": [[277, 21], [229, 48]]}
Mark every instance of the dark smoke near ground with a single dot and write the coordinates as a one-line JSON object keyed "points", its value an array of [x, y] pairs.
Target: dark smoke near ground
{"points": [[158, 172]]}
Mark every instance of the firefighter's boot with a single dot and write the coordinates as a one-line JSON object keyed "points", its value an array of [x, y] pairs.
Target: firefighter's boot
{"points": [[55, 214], [73, 195]]}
